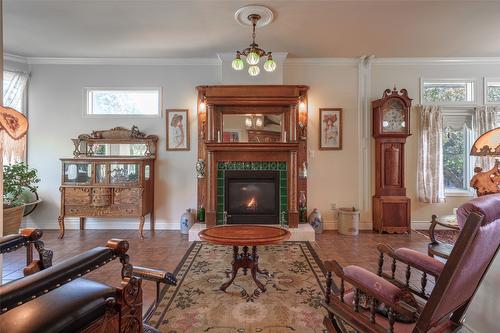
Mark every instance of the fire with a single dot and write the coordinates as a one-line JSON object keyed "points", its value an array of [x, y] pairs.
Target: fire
{"points": [[252, 203]]}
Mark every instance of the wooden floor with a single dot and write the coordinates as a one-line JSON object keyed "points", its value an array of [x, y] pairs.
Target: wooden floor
{"points": [[165, 249]]}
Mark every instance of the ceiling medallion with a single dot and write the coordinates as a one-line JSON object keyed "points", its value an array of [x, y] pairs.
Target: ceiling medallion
{"points": [[253, 53]]}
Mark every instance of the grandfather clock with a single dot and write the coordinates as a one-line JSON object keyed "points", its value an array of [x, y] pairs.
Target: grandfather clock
{"points": [[391, 126]]}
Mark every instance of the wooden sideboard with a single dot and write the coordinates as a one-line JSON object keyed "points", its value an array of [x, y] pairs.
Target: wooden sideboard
{"points": [[111, 175]]}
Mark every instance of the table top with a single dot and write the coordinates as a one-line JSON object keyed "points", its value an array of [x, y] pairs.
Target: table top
{"points": [[244, 235]]}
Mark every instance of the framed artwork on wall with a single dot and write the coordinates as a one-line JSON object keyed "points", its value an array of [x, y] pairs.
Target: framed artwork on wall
{"points": [[177, 129], [330, 129]]}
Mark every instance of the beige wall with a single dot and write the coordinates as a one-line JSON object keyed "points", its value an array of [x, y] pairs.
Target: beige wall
{"points": [[56, 108]]}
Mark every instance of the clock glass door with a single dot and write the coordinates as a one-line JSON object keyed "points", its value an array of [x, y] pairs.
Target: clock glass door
{"points": [[393, 117]]}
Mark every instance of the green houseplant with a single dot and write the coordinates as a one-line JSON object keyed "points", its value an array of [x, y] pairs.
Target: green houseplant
{"points": [[18, 182]]}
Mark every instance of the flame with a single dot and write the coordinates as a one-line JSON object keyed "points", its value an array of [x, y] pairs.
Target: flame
{"points": [[252, 203]]}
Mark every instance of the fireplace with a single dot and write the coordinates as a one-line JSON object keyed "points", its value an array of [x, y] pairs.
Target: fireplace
{"points": [[252, 196]]}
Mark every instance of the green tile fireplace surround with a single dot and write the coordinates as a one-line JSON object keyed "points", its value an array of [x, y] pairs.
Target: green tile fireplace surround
{"points": [[280, 166]]}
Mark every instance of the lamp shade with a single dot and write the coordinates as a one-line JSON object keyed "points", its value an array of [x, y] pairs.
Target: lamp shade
{"points": [[488, 144], [13, 122]]}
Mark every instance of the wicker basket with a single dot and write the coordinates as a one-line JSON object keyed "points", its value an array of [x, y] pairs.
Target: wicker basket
{"points": [[12, 218]]}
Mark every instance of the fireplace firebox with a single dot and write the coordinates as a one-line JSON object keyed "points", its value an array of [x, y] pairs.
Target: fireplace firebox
{"points": [[251, 197]]}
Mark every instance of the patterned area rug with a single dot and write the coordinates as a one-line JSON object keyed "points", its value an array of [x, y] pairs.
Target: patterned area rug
{"points": [[290, 304]]}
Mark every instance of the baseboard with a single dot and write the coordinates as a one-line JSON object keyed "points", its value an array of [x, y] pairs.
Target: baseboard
{"points": [[100, 224], [133, 224]]}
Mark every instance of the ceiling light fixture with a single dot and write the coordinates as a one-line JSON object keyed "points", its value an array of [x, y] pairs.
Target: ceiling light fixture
{"points": [[253, 54]]}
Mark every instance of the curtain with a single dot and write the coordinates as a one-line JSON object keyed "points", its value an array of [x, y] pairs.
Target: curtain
{"points": [[430, 180], [14, 86], [485, 120]]}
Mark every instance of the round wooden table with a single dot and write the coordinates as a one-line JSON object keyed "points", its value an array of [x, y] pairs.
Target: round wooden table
{"points": [[245, 235]]}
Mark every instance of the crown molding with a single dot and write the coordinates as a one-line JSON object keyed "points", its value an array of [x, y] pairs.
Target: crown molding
{"points": [[113, 61], [15, 58], [438, 61], [322, 61], [225, 56]]}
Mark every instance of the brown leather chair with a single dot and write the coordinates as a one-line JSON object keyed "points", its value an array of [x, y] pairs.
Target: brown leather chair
{"points": [[59, 299], [381, 303], [29, 238]]}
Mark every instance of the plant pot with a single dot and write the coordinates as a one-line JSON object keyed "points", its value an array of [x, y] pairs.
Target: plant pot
{"points": [[12, 218]]}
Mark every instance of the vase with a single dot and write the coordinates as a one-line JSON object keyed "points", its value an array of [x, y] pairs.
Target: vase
{"points": [[187, 221], [316, 221]]}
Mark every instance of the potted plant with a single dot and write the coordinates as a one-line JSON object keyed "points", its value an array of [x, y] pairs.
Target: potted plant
{"points": [[18, 179]]}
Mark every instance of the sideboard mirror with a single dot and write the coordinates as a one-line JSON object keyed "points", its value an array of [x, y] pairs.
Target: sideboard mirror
{"points": [[116, 142]]}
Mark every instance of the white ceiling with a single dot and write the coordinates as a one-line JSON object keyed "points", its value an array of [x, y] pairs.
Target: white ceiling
{"points": [[192, 29]]}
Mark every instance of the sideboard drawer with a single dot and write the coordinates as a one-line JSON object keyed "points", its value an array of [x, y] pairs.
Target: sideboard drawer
{"points": [[77, 196], [109, 211], [127, 196]]}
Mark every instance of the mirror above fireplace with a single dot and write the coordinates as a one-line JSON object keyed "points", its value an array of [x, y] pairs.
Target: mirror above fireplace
{"points": [[254, 128]]}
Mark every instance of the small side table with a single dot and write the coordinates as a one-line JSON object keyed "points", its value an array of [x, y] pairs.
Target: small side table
{"points": [[245, 235], [436, 248]]}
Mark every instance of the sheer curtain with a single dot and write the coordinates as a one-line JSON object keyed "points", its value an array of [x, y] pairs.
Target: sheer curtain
{"points": [[14, 87], [430, 180], [485, 120]]}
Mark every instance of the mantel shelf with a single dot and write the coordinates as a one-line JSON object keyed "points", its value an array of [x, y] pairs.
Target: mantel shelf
{"points": [[245, 147]]}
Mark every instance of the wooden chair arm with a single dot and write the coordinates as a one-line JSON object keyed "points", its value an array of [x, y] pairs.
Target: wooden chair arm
{"points": [[386, 249], [378, 292], [155, 275]]}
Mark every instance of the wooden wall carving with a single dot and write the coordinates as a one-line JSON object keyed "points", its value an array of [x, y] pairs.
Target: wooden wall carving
{"points": [[256, 99]]}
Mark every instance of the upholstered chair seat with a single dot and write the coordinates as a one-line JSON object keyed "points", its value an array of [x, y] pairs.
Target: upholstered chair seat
{"points": [[66, 309]]}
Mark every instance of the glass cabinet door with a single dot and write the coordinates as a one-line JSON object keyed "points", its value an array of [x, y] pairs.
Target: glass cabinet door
{"points": [[100, 173], [77, 173], [123, 173]]}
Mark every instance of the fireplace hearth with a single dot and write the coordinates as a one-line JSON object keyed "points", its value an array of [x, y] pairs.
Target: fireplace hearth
{"points": [[251, 197]]}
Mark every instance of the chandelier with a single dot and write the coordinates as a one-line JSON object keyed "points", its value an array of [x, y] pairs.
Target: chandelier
{"points": [[253, 54]]}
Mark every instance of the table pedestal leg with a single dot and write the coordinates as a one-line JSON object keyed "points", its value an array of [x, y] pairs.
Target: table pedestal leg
{"points": [[245, 261]]}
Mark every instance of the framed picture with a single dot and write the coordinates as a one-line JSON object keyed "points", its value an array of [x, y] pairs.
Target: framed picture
{"points": [[177, 129], [330, 129]]}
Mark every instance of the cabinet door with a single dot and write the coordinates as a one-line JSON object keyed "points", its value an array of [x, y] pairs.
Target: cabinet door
{"points": [[77, 173], [124, 173]]}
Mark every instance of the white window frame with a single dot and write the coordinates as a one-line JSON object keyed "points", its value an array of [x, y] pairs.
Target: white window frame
{"points": [[485, 90], [453, 114], [88, 90], [474, 91]]}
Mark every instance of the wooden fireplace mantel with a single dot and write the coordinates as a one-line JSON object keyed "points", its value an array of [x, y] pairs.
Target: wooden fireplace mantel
{"points": [[252, 147], [231, 99]]}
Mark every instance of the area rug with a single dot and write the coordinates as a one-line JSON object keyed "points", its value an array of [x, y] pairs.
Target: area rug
{"points": [[291, 303]]}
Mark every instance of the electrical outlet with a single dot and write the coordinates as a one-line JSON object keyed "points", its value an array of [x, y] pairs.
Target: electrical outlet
{"points": [[455, 211], [333, 206]]}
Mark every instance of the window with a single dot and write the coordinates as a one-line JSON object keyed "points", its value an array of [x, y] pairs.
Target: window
{"points": [[447, 91], [123, 102], [492, 91], [457, 140]]}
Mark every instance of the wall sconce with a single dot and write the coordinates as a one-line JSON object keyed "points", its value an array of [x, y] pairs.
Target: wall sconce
{"points": [[302, 118], [202, 110]]}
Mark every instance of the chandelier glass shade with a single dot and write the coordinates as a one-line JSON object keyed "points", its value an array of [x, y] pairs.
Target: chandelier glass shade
{"points": [[253, 70], [253, 54]]}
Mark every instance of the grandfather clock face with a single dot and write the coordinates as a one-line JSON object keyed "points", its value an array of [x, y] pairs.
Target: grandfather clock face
{"points": [[393, 117]]}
